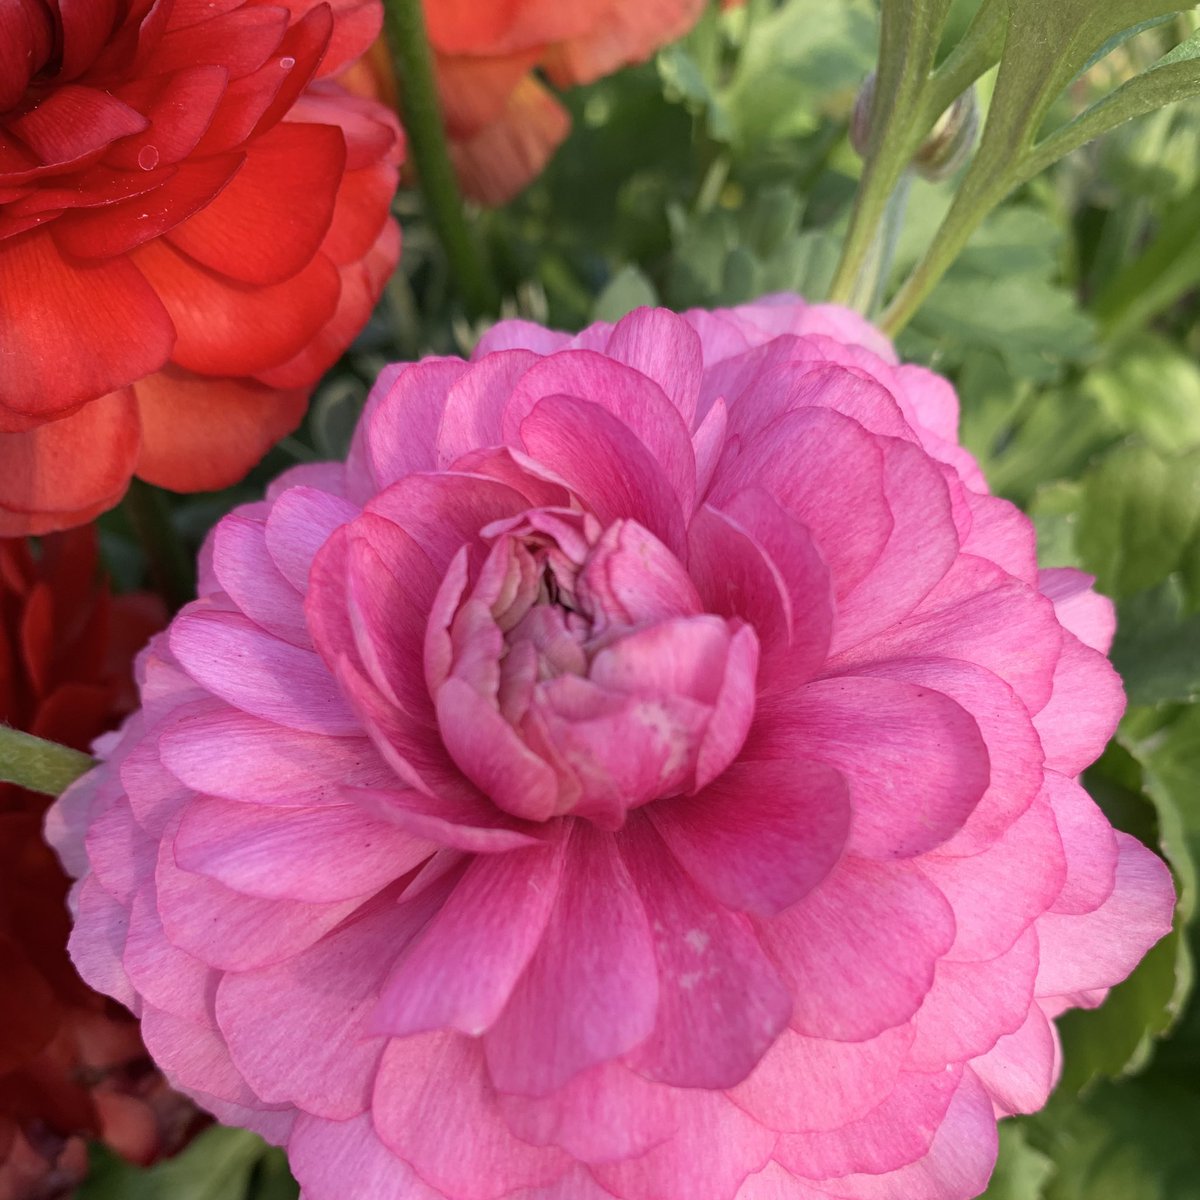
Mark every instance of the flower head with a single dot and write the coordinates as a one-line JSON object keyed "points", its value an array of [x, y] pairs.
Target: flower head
{"points": [[71, 1062], [153, 158], [646, 768]]}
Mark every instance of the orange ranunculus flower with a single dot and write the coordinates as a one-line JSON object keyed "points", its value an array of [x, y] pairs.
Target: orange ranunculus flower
{"points": [[72, 1064], [503, 123], [194, 224]]}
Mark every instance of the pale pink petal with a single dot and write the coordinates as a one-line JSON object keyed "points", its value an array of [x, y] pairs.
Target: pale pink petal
{"points": [[1089, 616], [247, 573], [168, 978], [1021, 1068], [663, 347], [97, 942], [435, 1082], [473, 413], [298, 525], [1100, 948], [859, 953], [1003, 534], [1089, 843]]}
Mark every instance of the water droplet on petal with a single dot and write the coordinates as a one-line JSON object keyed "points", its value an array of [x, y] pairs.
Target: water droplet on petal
{"points": [[287, 63], [148, 158]]}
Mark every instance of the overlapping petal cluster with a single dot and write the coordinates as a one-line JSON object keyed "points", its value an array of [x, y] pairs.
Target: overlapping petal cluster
{"points": [[503, 122], [193, 226], [646, 768], [72, 1065]]}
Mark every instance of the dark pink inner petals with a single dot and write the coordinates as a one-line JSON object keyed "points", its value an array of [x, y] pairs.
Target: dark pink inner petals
{"points": [[721, 1001], [605, 464], [590, 992], [762, 835], [872, 731]]}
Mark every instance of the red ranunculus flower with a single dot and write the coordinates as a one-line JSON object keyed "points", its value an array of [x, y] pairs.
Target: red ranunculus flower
{"points": [[193, 226], [71, 1062], [503, 123]]}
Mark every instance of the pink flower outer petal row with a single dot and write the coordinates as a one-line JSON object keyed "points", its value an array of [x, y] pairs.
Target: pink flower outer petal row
{"points": [[647, 768]]}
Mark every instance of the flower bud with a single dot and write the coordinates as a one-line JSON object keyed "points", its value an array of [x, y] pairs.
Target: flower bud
{"points": [[946, 147]]}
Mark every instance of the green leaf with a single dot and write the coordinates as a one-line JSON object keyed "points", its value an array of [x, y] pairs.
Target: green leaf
{"points": [[1141, 512], [1055, 514], [1022, 1172], [1157, 647], [626, 290], [684, 83], [1151, 389], [218, 1165]]}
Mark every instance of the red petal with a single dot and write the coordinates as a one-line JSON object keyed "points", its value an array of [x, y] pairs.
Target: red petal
{"points": [[67, 472], [73, 121], [65, 328], [26, 42], [230, 328], [362, 284], [270, 220], [240, 41], [356, 24], [108, 231], [86, 26], [201, 434], [179, 108]]}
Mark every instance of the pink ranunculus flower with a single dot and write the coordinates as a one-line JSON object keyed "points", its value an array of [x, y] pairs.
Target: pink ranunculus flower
{"points": [[646, 769]]}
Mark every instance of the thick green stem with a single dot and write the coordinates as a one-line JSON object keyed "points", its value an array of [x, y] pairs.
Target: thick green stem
{"points": [[170, 566], [413, 59], [871, 281], [41, 766]]}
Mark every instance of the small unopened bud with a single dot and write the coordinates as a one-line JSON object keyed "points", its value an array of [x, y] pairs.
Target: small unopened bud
{"points": [[946, 148]]}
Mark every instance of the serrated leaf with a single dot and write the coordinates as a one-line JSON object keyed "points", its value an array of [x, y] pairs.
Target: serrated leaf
{"points": [[626, 290], [1140, 512], [1157, 647]]}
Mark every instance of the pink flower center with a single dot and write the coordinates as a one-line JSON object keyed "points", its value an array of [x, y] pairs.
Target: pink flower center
{"points": [[574, 670]]}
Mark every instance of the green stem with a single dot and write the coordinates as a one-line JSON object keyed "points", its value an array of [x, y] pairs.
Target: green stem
{"points": [[409, 41], [41, 766], [170, 566], [871, 281]]}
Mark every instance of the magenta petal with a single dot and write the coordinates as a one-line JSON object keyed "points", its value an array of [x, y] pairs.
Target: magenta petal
{"points": [[762, 835], [665, 348], [247, 573], [429, 1084], [920, 549], [1025, 866], [325, 1154], [859, 952], [462, 969], [1090, 617], [571, 1011], [491, 754], [721, 1001], [959, 1161], [714, 1149], [773, 1182], [300, 522], [602, 460], [895, 1133], [231, 931], [1002, 533], [474, 408], [235, 756], [1014, 750], [1100, 948], [973, 1004], [871, 731], [800, 460], [318, 855], [632, 401], [815, 1084], [606, 1114], [1090, 845], [238, 661], [329, 991], [1083, 710], [1021, 1068]]}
